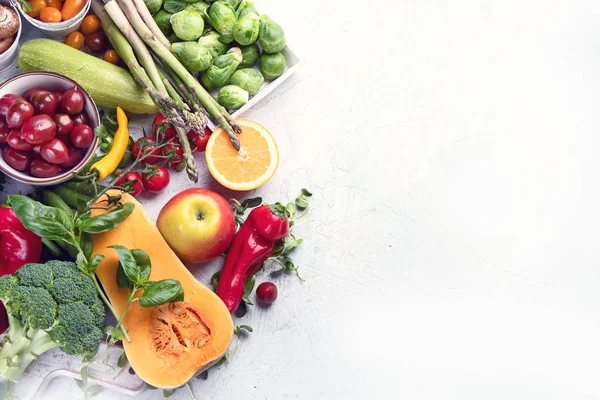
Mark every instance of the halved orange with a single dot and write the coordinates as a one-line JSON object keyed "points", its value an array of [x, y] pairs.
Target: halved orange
{"points": [[252, 166]]}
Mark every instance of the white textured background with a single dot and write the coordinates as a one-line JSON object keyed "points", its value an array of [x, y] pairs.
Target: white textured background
{"points": [[452, 250]]}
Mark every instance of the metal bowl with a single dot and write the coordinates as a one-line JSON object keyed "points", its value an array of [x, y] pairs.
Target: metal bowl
{"points": [[55, 29], [50, 81]]}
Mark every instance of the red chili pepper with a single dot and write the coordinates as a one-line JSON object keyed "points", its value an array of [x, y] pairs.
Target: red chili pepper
{"points": [[18, 246], [250, 248]]}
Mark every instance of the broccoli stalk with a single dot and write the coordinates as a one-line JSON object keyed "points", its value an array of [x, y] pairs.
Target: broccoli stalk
{"points": [[21, 348], [49, 305]]}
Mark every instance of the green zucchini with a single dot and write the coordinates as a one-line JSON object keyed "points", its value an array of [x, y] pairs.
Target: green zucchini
{"points": [[109, 85]]}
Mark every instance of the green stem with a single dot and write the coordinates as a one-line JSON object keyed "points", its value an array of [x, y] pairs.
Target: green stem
{"points": [[94, 279], [129, 300], [170, 60]]}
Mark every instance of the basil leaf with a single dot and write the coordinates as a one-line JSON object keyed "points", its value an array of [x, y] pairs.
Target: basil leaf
{"points": [[122, 360], [95, 262], [82, 218], [141, 257], [214, 280], [249, 286], [168, 392], [160, 292], [251, 203], [203, 375], [128, 264], [122, 280], [109, 121], [87, 245], [46, 222], [241, 310], [106, 222], [25, 6]]}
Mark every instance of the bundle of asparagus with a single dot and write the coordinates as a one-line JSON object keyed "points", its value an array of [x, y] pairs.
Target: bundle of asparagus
{"points": [[181, 99]]}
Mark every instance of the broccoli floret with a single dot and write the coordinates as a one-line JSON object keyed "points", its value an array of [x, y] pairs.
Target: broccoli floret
{"points": [[37, 275], [35, 306], [7, 284], [49, 305], [76, 288]]}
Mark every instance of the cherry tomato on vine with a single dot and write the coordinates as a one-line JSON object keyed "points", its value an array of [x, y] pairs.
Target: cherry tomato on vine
{"points": [[198, 143], [149, 149], [156, 181], [134, 180], [161, 127]]}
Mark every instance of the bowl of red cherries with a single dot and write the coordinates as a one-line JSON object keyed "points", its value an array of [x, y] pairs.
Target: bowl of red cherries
{"points": [[47, 124]]}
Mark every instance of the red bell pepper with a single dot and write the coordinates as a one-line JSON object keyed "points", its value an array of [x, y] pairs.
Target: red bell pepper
{"points": [[18, 246], [250, 248]]}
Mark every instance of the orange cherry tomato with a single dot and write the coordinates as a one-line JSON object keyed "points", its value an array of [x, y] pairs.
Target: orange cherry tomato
{"points": [[71, 8], [112, 57], [50, 14], [36, 6], [75, 40], [54, 3], [90, 24]]}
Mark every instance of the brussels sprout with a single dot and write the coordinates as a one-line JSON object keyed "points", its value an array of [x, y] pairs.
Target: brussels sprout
{"points": [[270, 36], [232, 3], [223, 19], [153, 5], [174, 39], [249, 55], [249, 79], [187, 24], [245, 31], [210, 40], [232, 97], [174, 6], [222, 68], [202, 8], [246, 7], [192, 55], [272, 65], [163, 20]]}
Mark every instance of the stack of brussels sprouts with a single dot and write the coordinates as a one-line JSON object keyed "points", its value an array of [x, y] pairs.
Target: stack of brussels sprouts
{"points": [[222, 41]]}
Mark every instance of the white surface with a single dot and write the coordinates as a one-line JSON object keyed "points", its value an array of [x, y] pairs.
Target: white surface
{"points": [[452, 249]]}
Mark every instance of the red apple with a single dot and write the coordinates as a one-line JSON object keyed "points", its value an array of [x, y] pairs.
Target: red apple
{"points": [[198, 224]]}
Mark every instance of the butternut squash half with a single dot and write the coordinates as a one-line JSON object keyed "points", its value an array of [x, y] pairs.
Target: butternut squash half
{"points": [[171, 343]]}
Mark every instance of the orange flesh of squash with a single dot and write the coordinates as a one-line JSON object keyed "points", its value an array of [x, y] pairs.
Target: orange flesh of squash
{"points": [[173, 342]]}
